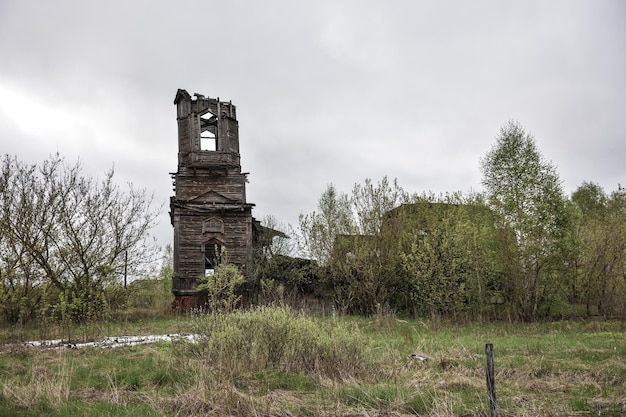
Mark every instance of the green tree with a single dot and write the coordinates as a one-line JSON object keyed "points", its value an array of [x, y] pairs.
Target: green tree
{"points": [[601, 237], [359, 274], [370, 203], [451, 257], [317, 230], [524, 191], [366, 273], [276, 275], [156, 292], [65, 230], [424, 254]]}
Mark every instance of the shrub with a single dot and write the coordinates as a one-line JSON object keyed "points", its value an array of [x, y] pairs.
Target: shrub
{"points": [[277, 339], [220, 287]]}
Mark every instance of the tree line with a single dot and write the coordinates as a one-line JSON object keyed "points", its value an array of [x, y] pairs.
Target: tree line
{"points": [[66, 239], [521, 249]]}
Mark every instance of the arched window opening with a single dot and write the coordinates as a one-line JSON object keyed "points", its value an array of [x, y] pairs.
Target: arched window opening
{"points": [[212, 257]]}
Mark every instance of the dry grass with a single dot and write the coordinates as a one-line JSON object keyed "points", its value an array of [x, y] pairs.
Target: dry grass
{"points": [[40, 386], [277, 363]]}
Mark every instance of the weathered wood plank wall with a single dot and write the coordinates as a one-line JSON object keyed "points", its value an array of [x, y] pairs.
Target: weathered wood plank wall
{"points": [[209, 206]]}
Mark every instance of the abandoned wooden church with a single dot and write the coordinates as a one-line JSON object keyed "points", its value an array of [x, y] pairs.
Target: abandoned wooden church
{"points": [[209, 211]]}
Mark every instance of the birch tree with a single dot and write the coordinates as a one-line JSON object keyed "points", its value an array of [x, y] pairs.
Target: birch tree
{"points": [[524, 191]]}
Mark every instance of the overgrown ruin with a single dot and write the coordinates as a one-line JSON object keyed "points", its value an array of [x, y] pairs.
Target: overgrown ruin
{"points": [[209, 211]]}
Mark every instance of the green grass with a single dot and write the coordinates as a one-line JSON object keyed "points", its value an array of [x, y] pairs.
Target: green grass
{"points": [[267, 361]]}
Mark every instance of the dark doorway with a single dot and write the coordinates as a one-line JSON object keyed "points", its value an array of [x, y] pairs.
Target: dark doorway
{"points": [[212, 256]]}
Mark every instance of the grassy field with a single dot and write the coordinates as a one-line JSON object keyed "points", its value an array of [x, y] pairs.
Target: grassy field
{"points": [[272, 362]]}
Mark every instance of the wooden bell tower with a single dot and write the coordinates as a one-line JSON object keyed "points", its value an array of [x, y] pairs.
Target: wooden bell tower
{"points": [[209, 212]]}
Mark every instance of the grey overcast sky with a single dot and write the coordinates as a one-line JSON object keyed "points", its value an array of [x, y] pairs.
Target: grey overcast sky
{"points": [[326, 91]]}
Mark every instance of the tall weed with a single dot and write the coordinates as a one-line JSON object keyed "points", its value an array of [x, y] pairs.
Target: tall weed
{"points": [[278, 339], [42, 388]]}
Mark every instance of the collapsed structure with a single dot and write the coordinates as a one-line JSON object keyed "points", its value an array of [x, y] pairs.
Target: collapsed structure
{"points": [[209, 211]]}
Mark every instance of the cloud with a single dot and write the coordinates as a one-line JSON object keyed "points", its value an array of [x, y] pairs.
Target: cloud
{"points": [[326, 92]]}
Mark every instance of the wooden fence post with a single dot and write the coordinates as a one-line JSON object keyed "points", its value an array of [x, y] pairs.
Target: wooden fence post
{"points": [[491, 383]]}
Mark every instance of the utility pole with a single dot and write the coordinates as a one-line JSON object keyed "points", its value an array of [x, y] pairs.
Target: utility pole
{"points": [[125, 267]]}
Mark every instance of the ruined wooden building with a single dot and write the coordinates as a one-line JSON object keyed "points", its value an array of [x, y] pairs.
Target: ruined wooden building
{"points": [[209, 211]]}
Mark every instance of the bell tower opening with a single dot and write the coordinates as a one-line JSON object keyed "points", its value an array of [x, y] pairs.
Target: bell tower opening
{"points": [[208, 132], [208, 141]]}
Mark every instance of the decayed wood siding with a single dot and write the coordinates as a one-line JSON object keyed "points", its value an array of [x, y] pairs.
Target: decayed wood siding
{"points": [[209, 186]]}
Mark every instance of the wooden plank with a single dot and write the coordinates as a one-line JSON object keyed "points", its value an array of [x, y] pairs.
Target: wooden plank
{"points": [[491, 383]]}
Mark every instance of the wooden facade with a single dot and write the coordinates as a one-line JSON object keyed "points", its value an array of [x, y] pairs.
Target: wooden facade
{"points": [[209, 212]]}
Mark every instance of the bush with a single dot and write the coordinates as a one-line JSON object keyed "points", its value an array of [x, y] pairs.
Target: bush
{"points": [[220, 287], [150, 293], [277, 339]]}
